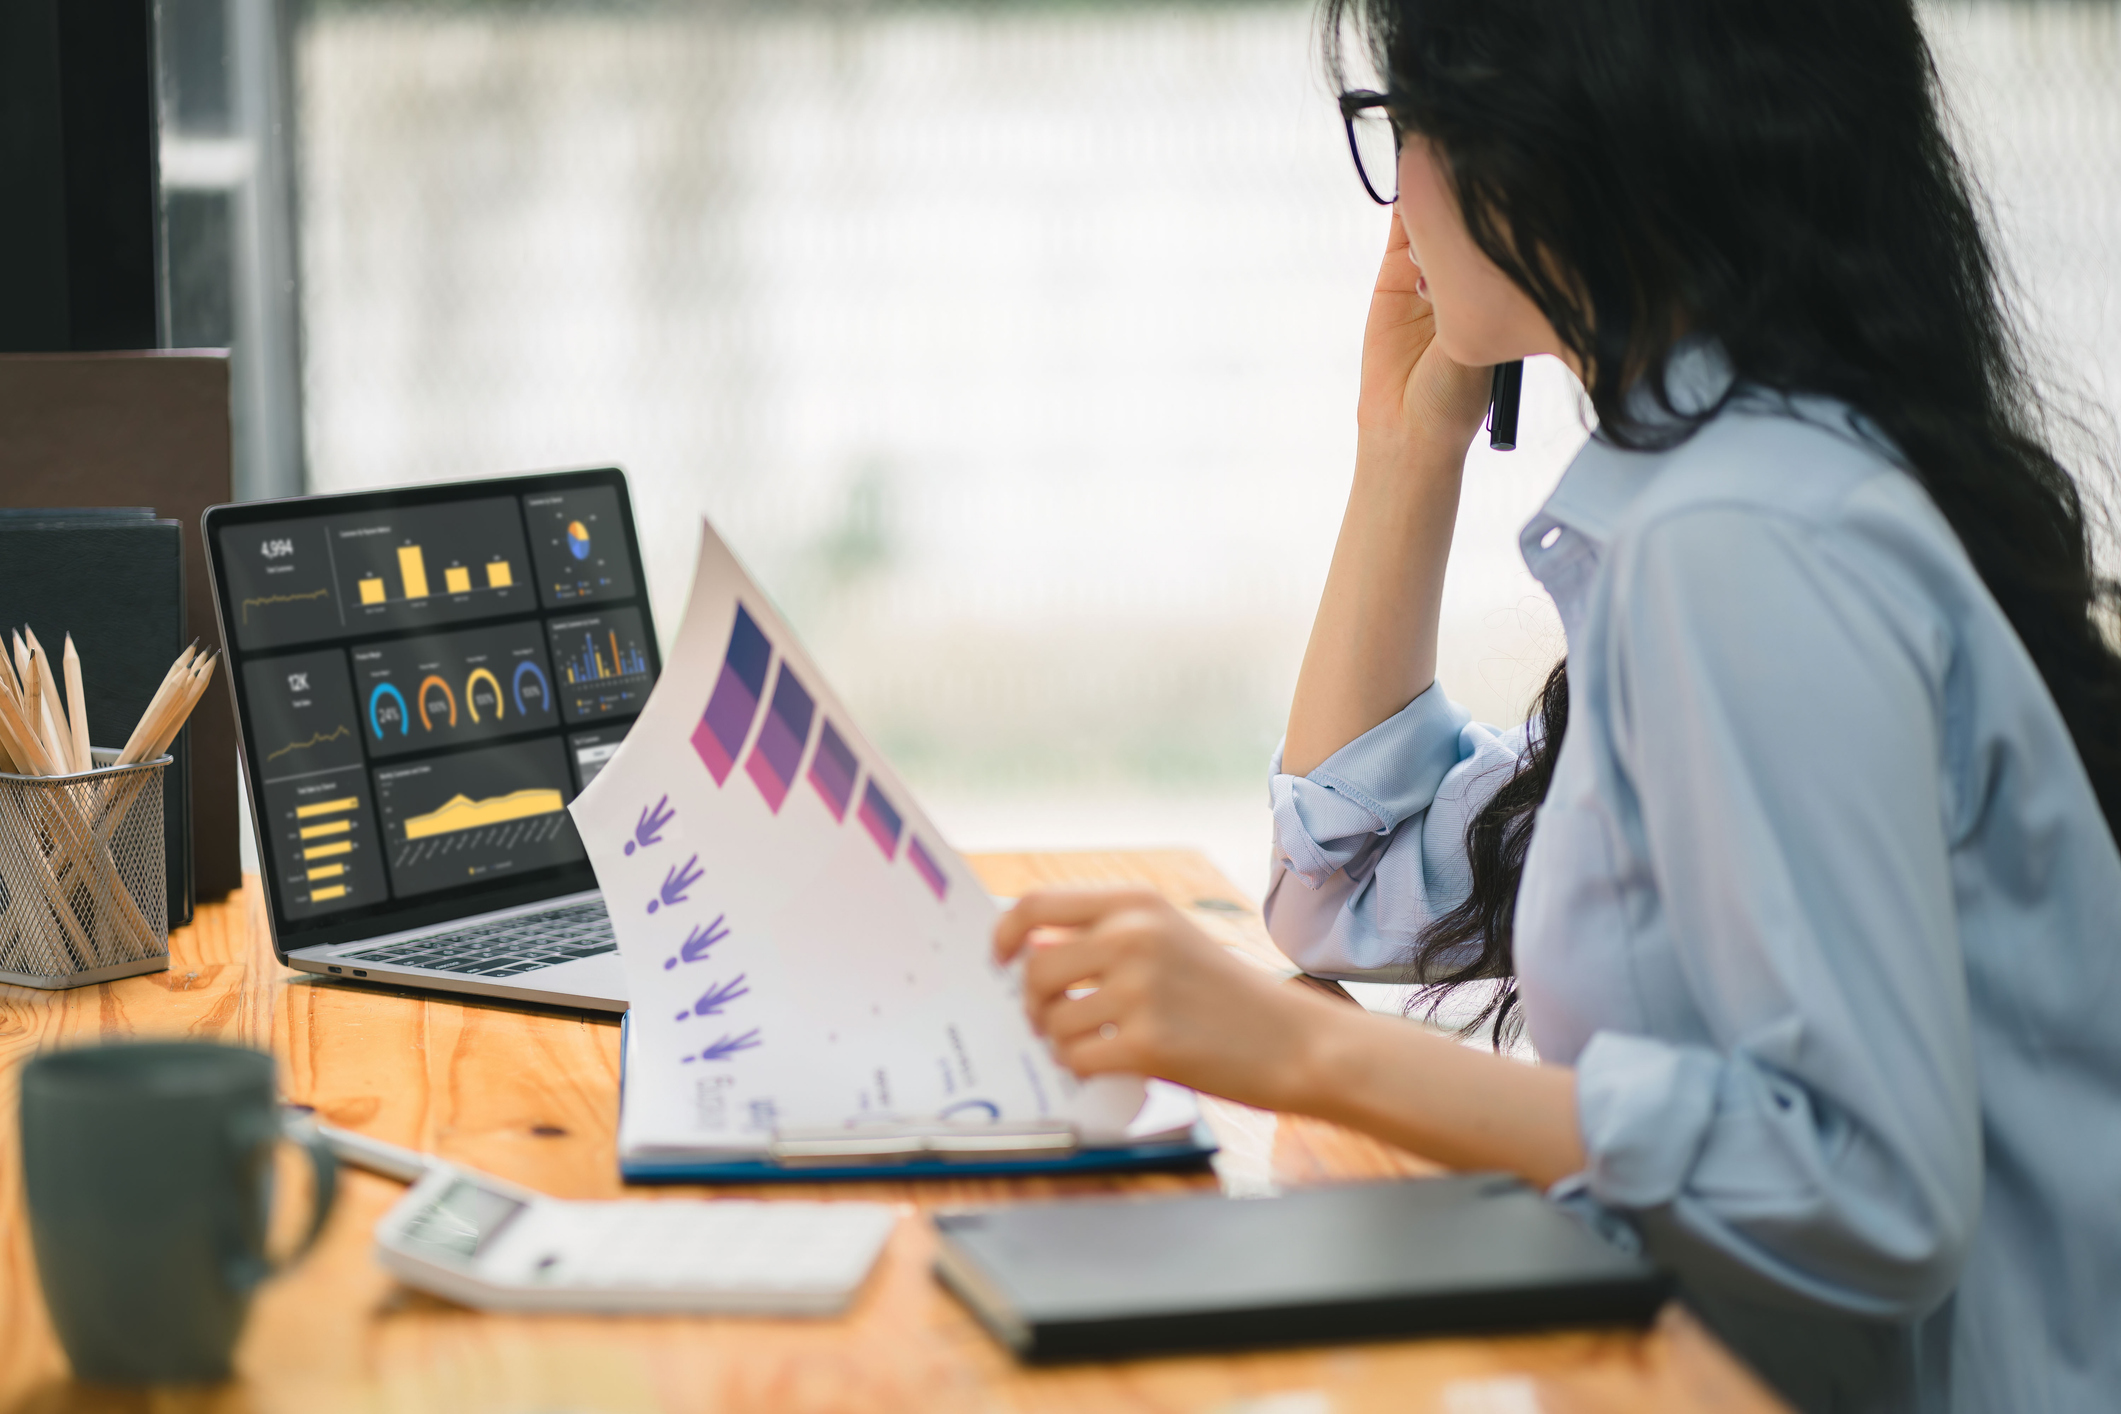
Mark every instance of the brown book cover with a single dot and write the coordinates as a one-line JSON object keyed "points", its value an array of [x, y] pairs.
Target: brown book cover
{"points": [[140, 429]]}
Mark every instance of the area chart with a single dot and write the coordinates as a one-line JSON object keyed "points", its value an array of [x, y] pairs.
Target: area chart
{"points": [[461, 812], [470, 815]]}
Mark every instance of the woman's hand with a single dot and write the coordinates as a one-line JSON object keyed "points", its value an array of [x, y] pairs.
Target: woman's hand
{"points": [[1410, 388], [1373, 645], [1169, 1000]]}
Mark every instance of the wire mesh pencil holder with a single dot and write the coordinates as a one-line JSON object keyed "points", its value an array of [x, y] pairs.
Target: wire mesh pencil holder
{"points": [[83, 896]]}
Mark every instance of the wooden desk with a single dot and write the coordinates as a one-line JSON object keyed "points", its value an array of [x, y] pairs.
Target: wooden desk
{"points": [[531, 1095]]}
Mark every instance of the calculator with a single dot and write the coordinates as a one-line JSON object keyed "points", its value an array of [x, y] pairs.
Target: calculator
{"points": [[471, 1238]]}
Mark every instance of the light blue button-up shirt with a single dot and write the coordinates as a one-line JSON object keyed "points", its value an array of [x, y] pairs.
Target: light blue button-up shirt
{"points": [[1821, 906]]}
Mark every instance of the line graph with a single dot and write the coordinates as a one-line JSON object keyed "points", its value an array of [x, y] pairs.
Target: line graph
{"points": [[338, 733], [263, 599]]}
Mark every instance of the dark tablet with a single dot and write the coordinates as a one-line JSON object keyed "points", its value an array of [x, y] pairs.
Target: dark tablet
{"points": [[1100, 1278]]}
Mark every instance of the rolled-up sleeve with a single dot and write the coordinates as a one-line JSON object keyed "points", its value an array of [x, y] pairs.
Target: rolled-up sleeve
{"points": [[1824, 1137], [1370, 847]]}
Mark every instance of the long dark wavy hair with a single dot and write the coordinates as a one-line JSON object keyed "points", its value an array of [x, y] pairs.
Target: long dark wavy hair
{"points": [[1774, 174]]}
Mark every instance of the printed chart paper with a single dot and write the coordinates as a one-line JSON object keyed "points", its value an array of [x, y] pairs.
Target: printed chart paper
{"points": [[802, 948]]}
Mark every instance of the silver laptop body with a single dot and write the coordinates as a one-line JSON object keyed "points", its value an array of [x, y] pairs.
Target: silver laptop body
{"points": [[423, 678]]}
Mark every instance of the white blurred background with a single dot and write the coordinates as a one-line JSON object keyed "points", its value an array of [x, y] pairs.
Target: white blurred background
{"points": [[1013, 345]]}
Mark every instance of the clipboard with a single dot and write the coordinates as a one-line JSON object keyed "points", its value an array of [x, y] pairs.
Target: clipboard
{"points": [[895, 1152]]}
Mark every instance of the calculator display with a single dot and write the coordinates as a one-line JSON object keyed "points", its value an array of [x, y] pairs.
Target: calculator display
{"points": [[462, 1221]]}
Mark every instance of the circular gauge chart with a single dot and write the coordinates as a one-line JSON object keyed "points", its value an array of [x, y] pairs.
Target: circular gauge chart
{"points": [[386, 706], [540, 694]]}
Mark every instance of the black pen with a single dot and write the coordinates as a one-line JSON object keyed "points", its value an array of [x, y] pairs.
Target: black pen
{"points": [[1503, 394]]}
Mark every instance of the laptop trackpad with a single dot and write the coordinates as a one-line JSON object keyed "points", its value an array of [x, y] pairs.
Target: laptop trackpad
{"points": [[600, 976]]}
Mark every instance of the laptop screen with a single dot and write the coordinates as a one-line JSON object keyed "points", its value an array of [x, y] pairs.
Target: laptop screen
{"points": [[424, 678]]}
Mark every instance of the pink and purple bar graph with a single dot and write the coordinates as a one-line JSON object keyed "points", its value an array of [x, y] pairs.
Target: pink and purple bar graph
{"points": [[924, 865], [833, 770], [882, 822], [779, 750], [735, 700]]}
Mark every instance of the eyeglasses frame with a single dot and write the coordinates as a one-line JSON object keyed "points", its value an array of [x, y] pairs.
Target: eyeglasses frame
{"points": [[1362, 100]]}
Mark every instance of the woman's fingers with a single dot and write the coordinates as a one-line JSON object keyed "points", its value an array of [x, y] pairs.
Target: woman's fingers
{"points": [[1399, 273], [1071, 1018], [1062, 908], [1054, 968], [1094, 1053]]}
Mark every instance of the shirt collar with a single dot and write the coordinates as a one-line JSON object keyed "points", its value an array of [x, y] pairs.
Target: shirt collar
{"points": [[1596, 490]]}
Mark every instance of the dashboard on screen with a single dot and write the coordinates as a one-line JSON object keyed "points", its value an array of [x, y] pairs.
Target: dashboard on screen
{"points": [[425, 679]]}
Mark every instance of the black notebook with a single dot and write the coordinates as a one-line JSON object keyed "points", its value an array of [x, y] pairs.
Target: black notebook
{"points": [[1091, 1279], [114, 579]]}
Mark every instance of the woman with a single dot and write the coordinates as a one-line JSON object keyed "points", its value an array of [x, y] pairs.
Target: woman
{"points": [[1804, 875]]}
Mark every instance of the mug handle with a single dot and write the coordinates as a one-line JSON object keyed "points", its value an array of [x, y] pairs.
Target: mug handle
{"points": [[324, 1170], [244, 1270]]}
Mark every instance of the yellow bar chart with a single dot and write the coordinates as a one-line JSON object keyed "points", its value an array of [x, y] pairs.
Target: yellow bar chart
{"points": [[457, 579], [499, 576], [372, 589], [412, 566]]}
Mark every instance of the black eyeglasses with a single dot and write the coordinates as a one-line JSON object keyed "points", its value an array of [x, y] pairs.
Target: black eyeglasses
{"points": [[1373, 137]]}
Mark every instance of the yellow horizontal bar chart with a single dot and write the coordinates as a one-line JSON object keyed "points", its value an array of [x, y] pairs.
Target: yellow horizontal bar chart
{"points": [[326, 851], [412, 566], [457, 579], [499, 576], [329, 827], [371, 590], [320, 895], [326, 871], [461, 812], [327, 807]]}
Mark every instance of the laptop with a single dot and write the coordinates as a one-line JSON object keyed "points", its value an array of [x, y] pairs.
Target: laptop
{"points": [[423, 679]]}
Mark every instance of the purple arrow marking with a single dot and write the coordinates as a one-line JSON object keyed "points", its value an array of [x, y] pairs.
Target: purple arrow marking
{"points": [[716, 997], [648, 829], [698, 941], [727, 1047], [676, 882]]}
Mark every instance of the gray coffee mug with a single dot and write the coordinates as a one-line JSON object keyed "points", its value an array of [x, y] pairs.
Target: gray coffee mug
{"points": [[148, 1170]]}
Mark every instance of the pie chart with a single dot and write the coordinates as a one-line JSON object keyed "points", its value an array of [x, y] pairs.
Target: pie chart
{"points": [[578, 539]]}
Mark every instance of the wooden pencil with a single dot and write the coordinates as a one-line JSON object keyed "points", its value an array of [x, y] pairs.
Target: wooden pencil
{"points": [[180, 711], [24, 744], [22, 666], [77, 709], [55, 710], [40, 717], [159, 725], [142, 729]]}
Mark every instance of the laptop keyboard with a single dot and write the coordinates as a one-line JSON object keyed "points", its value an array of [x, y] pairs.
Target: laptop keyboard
{"points": [[508, 946]]}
